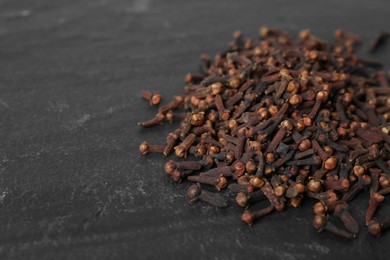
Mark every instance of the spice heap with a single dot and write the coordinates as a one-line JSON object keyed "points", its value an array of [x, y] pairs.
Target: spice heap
{"points": [[280, 120]]}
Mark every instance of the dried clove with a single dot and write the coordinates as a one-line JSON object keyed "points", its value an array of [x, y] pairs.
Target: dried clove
{"points": [[195, 193], [282, 120]]}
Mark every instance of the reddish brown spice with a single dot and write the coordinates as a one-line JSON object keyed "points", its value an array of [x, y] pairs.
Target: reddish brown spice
{"points": [[281, 120]]}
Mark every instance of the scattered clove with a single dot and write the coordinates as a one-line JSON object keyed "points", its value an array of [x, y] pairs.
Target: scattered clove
{"points": [[195, 193]]}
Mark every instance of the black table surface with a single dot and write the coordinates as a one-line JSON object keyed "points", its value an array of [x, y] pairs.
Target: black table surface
{"points": [[72, 183]]}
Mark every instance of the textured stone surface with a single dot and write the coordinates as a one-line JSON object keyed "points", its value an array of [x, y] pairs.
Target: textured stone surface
{"points": [[72, 183]]}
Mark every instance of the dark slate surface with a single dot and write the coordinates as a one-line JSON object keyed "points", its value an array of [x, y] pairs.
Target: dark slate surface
{"points": [[72, 184]]}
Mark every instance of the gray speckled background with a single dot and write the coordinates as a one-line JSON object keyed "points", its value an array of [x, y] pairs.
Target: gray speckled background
{"points": [[72, 184]]}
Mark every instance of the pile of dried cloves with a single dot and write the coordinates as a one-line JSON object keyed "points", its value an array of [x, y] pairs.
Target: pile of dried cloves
{"points": [[280, 120]]}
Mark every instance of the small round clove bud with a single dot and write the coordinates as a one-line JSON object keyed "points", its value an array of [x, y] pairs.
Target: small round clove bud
{"points": [[293, 87], [273, 110], [330, 163], [342, 132], [234, 82], [300, 126], [216, 88], [212, 116], [169, 116], [322, 95], [180, 151], [230, 157], [232, 124], [177, 175], [329, 150], [256, 182], [319, 221], [287, 124], [247, 217], [359, 170], [385, 130], [284, 73], [319, 208], [325, 126], [195, 101], [314, 185], [263, 113], [384, 181], [270, 157], [144, 148], [326, 87], [197, 119], [222, 183], [243, 180], [255, 145], [250, 166], [373, 151], [300, 187], [264, 31], [280, 190], [193, 192], [210, 99], [200, 150], [296, 201], [153, 97], [170, 166], [268, 170], [374, 228], [307, 121], [262, 137], [239, 168], [304, 145], [313, 54], [295, 100], [225, 115], [284, 178], [242, 199], [213, 149]]}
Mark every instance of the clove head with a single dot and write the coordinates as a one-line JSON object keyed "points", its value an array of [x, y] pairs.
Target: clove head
{"points": [[314, 185], [180, 151], [155, 99], [256, 182], [374, 228], [319, 208], [247, 217], [193, 192], [330, 163], [144, 148], [319, 222], [222, 183], [177, 175], [242, 199], [169, 167]]}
